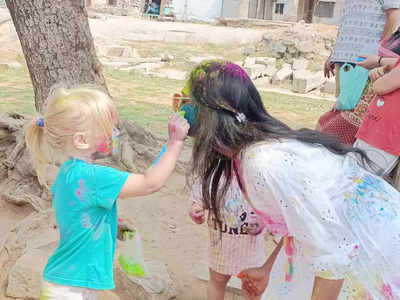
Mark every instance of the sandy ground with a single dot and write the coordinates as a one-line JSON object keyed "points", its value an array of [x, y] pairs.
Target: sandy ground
{"points": [[167, 233]]}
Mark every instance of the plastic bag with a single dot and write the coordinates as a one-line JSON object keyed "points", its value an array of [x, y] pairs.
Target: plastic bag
{"points": [[131, 257], [352, 84]]}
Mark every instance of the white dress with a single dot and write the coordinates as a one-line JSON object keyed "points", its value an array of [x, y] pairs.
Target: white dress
{"points": [[345, 222]]}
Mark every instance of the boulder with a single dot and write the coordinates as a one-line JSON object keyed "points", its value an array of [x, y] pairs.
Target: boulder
{"points": [[305, 81], [263, 82], [305, 47], [249, 61], [25, 277], [285, 73], [167, 57], [273, 48], [158, 286], [300, 64], [256, 70], [267, 61]]}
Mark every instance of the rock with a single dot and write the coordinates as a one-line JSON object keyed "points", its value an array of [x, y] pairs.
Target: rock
{"points": [[256, 70], [305, 47], [249, 51], [122, 51], [300, 64], [283, 74], [262, 82], [167, 57], [158, 286], [273, 48], [329, 86], [267, 61], [25, 277], [305, 81], [249, 61]]}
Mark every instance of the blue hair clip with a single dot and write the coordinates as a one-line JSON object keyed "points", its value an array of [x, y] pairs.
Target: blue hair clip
{"points": [[40, 122]]}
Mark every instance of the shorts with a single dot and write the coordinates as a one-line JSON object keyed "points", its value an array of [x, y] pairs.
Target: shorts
{"points": [[52, 291]]}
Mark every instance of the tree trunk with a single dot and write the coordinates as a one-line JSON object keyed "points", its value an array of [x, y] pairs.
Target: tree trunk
{"points": [[57, 44]]}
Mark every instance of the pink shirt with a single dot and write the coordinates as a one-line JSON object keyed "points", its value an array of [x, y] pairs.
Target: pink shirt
{"points": [[381, 125]]}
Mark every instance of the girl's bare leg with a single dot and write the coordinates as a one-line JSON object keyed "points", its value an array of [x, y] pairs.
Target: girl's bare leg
{"points": [[217, 285], [326, 289]]}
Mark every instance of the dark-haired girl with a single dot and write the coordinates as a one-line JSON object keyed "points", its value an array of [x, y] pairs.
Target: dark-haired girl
{"points": [[340, 225]]}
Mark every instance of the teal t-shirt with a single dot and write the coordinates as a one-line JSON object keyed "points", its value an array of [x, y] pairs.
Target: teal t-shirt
{"points": [[84, 200]]}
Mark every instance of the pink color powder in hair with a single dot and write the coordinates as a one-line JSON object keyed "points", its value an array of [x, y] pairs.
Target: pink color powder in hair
{"points": [[234, 70]]}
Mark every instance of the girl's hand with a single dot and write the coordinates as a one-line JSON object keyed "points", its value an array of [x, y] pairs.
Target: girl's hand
{"points": [[178, 128], [370, 62], [329, 67], [254, 281], [197, 213], [379, 72]]}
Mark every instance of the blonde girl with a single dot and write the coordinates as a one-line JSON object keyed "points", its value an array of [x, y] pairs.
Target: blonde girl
{"points": [[80, 124]]}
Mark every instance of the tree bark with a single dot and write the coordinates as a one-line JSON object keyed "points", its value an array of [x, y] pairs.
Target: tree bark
{"points": [[57, 44]]}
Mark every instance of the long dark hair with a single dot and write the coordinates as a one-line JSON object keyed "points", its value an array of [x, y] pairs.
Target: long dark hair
{"points": [[225, 96]]}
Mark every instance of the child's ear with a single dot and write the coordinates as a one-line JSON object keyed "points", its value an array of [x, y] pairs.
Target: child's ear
{"points": [[80, 141]]}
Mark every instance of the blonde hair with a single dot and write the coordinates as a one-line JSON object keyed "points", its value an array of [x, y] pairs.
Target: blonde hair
{"points": [[80, 109]]}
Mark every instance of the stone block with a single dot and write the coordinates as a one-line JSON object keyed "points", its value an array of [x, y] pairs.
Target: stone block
{"points": [[267, 61], [305, 47], [329, 86], [300, 64], [256, 70], [159, 285], [273, 48], [285, 73], [305, 81], [249, 61]]}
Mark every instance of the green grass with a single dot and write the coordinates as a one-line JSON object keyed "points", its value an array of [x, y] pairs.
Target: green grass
{"points": [[147, 100]]}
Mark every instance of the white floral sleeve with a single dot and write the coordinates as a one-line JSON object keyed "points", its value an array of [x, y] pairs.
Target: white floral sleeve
{"points": [[285, 191]]}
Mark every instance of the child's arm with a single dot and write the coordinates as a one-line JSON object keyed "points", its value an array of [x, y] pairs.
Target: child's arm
{"points": [[154, 179], [372, 61], [196, 212], [388, 82], [255, 280]]}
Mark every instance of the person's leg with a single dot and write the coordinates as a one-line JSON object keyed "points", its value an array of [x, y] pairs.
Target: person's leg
{"points": [[217, 285], [384, 162]]}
